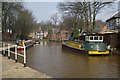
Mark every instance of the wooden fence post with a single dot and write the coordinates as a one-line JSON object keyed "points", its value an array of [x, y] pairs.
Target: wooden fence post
{"points": [[24, 56], [8, 51], [15, 53]]}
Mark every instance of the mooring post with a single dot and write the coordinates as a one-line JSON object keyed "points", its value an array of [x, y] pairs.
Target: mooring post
{"points": [[24, 56], [15, 53], [8, 51]]}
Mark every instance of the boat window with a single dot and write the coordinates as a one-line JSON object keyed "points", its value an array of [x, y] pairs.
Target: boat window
{"points": [[87, 38], [100, 38], [95, 38], [91, 38]]}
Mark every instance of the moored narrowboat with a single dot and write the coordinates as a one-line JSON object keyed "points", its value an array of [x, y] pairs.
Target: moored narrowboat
{"points": [[92, 45]]}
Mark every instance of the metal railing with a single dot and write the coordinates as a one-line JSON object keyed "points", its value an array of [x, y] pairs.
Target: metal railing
{"points": [[7, 47]]}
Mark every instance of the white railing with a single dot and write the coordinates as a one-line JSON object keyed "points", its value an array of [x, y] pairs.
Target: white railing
{"points": [[6, 47]]}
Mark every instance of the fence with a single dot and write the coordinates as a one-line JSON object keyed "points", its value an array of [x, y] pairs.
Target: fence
{"points": [[6, 47]]}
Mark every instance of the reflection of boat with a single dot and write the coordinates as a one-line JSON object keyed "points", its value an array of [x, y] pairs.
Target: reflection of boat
{"points": [[91, 45], [37, 42]]}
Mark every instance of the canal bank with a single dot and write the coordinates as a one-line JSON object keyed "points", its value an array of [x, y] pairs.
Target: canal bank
{"points": [[10, 69]]}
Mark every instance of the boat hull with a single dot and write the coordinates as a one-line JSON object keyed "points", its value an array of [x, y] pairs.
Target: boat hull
{"points": [[82, 50]]}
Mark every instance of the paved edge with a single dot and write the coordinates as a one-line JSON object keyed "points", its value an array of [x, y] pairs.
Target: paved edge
{"points": [[0, 66], [10, 69]]}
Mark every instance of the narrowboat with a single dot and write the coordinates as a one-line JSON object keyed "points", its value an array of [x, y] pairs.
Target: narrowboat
{"points": [[91, 45]]}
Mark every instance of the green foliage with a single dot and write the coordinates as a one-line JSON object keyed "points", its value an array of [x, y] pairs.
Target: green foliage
{"points": [[76, 33]]}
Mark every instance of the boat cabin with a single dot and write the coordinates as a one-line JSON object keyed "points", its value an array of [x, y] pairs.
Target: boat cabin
{"points": [[94, 38], [107, 38]]}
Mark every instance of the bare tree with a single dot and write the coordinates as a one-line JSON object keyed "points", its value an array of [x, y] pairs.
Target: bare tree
{"points": [[82, 11], [71, 12], [16, 19], [55, 19]]}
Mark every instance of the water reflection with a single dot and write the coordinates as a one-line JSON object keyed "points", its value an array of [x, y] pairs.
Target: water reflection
{"points": [[41, 43], [104, 66], [50, 58]]}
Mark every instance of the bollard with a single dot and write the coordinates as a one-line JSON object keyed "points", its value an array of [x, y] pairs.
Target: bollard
{"points": [[15, 53], [8, 51], [24, 56]]}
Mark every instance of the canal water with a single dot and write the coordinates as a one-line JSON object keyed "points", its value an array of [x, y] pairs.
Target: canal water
{"points": [[51, 59]]}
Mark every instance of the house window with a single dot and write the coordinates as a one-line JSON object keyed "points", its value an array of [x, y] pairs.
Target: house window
{"points": [[111, 24], [117, 21]]}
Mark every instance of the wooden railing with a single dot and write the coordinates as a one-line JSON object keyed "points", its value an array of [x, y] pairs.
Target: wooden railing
{"points": [[5, 48]]}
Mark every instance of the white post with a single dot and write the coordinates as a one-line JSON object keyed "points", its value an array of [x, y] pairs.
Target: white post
{"points": [[8, 51], [4, 49], [15, 53], [24, 56]]}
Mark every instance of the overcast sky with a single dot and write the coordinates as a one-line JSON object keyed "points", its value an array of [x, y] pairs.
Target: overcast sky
{"points": [[43, 10]]}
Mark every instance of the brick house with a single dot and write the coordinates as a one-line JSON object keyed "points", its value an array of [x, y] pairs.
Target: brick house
{"points": [[114, 22]]}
